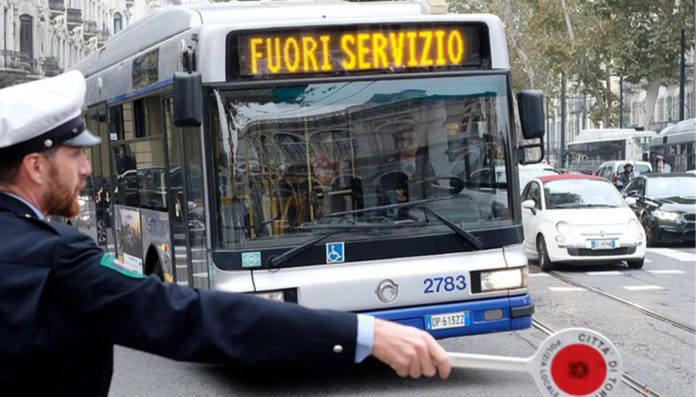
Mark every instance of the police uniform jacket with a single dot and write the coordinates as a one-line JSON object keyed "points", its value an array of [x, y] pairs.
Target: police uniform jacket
{"points": [[64, 303]]}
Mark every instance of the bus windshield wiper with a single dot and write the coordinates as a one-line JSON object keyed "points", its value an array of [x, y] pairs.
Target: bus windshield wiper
{"points": [[473, 241], [280, 260]]}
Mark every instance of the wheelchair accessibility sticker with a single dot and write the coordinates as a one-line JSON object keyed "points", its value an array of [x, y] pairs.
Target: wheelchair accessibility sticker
{"points": [[335, 253]]}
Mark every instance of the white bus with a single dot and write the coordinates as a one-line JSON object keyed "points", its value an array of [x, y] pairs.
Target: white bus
{"points": [[676, 144], [264, 147], [594, 146]]}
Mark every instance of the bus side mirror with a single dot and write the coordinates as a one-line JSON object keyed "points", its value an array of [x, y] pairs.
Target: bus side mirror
{"points": [[530, 106], [188, 99]]}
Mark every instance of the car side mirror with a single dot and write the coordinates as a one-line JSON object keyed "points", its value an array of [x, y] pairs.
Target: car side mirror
{"points": [[530, 205], [630, 200]]}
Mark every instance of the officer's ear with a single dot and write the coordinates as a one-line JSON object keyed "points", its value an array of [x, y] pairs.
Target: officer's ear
{"points": [[36, 168]]}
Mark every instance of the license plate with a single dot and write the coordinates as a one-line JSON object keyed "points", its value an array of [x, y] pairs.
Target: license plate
{"points": [[603, 244], [447, 320]]}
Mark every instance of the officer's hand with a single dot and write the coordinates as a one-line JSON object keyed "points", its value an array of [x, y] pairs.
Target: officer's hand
{"points": [[409, 351]]}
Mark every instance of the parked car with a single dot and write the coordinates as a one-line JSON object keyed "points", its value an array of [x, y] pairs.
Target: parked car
{"points": [[665, 205], [529, 171], [579, 219], [610, 170]]}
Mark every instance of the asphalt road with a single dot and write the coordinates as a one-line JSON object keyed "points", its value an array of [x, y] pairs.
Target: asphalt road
{"points": [[655, 338]]}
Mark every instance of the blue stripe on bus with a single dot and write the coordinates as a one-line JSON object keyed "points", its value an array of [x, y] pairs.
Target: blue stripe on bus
{"points": [[140, 91], [417, 316]]}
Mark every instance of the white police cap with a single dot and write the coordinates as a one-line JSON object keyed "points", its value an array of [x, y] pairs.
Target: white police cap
{"points": [[44, 113]]}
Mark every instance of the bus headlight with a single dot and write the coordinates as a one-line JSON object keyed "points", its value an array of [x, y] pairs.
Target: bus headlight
{"points": [[563, 227], [278, 296], [503, 279]]}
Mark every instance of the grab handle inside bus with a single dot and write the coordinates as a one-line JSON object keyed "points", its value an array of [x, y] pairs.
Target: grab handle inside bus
{"points": [[188, 99]]}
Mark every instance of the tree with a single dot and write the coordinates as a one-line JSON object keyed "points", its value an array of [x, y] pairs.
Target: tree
{"points": [[649, 43]]}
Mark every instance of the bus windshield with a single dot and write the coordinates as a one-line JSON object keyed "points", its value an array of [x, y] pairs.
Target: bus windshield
{"points": [[288, 157]]}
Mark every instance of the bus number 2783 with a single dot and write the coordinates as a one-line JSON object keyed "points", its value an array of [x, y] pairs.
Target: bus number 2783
{"points": [[446, 284]]}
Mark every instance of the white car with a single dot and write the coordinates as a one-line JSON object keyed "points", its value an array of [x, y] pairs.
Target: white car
{"points": [[579, 219], [529, 171]]}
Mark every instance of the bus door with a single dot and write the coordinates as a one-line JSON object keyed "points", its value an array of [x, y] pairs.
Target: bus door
{"points": [[187, 204]]}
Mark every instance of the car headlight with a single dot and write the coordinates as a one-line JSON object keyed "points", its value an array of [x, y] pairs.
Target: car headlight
{"points": [[503, 279], [666, 215], [564, 227], [633, 225]]}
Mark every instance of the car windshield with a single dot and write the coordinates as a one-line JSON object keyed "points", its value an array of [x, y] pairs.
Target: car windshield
{"points": [[290, 156], [581, 193], [683, 186], [527, 175]]}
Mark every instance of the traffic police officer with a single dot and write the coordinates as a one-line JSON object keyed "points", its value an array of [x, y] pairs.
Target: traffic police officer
{"points": [[64, 303]]}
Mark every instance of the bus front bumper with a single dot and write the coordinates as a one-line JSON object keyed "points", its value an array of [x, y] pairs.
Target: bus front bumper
{"points": [[465, 318]]}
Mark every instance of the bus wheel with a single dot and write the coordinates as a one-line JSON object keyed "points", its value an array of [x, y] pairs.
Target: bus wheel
{"points": [[157, 270], [544, 261], [153, 264]]}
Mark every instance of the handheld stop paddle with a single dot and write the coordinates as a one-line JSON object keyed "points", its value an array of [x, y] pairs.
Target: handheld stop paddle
{"points": [[571, 362]]}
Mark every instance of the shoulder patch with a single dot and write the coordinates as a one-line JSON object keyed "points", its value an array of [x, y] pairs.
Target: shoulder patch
{"points": [[109, 261]]}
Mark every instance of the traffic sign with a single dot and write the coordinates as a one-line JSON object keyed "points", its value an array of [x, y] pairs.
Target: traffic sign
{"points": [[571, 362]]}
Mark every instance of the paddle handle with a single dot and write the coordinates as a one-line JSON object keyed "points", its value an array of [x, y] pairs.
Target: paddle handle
{"points": [[485, 361]]}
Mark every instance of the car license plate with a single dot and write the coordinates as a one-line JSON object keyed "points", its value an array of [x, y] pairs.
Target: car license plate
{"points": [[603, 244], [447, 320]]}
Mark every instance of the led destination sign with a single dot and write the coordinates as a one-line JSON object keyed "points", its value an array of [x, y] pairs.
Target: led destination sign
{"points": [[353, 49]]}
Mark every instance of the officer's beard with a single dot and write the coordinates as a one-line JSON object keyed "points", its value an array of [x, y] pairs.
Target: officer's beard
{"points": [[61, 199]]}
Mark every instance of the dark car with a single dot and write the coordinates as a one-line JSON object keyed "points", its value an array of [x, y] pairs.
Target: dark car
{"points": [[665, 205]]}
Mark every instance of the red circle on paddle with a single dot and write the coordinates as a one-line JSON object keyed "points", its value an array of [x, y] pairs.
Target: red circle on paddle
{"points": [[578, 369]]}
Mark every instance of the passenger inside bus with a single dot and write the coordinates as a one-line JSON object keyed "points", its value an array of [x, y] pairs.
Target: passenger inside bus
{"points": [[332, 192], [408, 175]]}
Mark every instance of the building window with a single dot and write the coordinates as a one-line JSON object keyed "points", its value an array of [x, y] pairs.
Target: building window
{"points": [[26, 36], [118, 23]]}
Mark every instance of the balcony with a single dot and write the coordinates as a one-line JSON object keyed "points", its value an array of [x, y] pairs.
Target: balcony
{"points": [[130, 3], [16, 68], [89, 29], [102, 36], [51, 67], [57, 7], [74, 17]]}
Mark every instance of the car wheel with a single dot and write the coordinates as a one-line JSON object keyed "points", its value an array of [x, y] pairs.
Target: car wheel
{"points": [[544, 261], [649, 235], [636, 263]]}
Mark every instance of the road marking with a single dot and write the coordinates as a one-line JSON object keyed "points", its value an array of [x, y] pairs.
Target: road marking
{"points": [[641, 287], [609, 273], [648, 260], [539, 275], [566, 289], [666, 271], [674, 254]]}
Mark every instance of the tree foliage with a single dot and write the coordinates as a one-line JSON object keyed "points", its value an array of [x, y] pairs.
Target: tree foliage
{"points": [[591, 41]]}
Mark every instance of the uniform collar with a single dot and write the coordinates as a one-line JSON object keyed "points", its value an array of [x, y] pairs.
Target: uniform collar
{"points": [[19, 206]]}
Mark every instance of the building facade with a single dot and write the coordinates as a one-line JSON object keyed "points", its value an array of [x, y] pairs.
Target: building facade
{"points": [[46, 37]]}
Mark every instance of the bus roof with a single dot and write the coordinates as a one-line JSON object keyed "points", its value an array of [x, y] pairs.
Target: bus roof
{"points": [[204, 27], [688, 125], [608, 134]]}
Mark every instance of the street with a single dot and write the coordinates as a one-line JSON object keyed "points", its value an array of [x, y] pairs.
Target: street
{"points": [[648, 314]]}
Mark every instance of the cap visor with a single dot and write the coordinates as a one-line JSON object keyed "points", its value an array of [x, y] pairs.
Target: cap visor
{"points": [[85, 138]]}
